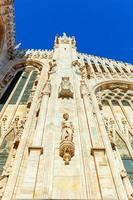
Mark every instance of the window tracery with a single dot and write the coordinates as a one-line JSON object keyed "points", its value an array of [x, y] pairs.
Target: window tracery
{"points": [[117, 104]]}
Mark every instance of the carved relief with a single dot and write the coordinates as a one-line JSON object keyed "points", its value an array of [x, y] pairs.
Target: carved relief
{"points": [[52, 65], [65, 89], [67, 148], [110, 127], [111, 134], [83, 70]]}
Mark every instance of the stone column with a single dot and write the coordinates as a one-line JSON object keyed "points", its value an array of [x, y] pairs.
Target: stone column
{"points": [[109, 154], [14, 177], [105, 181], [35, 151]]}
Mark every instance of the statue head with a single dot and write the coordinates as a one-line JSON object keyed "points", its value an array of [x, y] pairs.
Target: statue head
{"points": [[66, 116], [65, 79]]}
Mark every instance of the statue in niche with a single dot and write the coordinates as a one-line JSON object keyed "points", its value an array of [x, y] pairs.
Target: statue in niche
{"points": [[65, 89], [67, 146]]}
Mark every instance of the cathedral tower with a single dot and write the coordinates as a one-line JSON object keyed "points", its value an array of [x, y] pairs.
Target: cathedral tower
{"points": [[66, 125]]}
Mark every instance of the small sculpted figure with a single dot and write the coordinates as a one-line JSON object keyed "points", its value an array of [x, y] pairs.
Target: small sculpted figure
{"points": [[67, 149], [65, 89], [67, 128]]}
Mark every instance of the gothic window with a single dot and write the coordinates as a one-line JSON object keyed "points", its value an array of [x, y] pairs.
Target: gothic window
{"points": [[117, 105], [21, 85], [9, 89], [19, 88], [20, 82], [28, 88]]}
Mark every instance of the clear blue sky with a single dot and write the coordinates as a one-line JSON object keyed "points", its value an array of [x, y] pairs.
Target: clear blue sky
{"points": [[101, 27]]}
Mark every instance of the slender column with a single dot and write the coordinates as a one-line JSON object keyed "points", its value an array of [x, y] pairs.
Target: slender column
{"points": [[125, 114], [29, 182], [95, 139], [14, 110], [120, 130], [98, 150], [109, 154], [11, 184]]}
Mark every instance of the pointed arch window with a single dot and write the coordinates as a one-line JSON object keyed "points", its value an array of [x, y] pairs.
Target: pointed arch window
{"points": [[10, 89]]}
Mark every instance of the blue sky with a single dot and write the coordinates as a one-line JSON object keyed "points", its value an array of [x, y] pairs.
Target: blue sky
{"points": [[101, 27]]}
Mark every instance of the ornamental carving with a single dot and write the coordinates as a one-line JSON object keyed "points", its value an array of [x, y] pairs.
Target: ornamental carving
{"points": [[65, 89], [52, 65], [110, 127], [47, 88], [83, 89], [82, 69], [67, 149]]}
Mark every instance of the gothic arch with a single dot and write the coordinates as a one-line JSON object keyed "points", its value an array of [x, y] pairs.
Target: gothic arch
{"points": [[16, 73], [115, 99], [113, 83], [24, 63]]}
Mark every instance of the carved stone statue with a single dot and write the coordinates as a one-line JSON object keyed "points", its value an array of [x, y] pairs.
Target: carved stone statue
{"points": [[83, 89], [52, 66], [111, 134], [124, 174], [67, 146], [67, 128], [47, 88], [65, 89]]}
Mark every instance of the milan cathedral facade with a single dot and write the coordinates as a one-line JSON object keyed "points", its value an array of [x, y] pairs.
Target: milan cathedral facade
{"points": [[66, 121]]}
